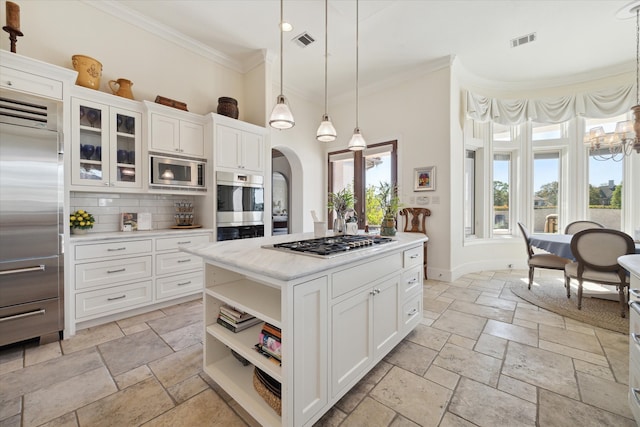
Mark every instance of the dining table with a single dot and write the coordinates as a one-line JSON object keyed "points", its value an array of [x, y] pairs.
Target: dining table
{"points": [[558, 244]]}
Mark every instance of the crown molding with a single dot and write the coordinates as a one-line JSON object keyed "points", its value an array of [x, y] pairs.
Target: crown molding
{"points": [[158, 29]]}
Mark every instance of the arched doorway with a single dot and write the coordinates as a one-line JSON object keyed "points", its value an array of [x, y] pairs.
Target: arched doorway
{"points": [[285, 163]]}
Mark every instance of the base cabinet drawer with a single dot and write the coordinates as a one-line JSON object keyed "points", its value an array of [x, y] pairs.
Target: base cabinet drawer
{"points": [[114, 299], [102, 273], [175, 262], [413, 256], [411, 312], [112, 249], [411, 281], [25, 321], [173, 243], [182, 284]]}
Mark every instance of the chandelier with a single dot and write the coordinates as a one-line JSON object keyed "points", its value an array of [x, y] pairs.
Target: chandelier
{"points": [[626, 138]]}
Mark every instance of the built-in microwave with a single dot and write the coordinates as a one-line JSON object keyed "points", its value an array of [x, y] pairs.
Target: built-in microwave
{"points": [[176, 172]]}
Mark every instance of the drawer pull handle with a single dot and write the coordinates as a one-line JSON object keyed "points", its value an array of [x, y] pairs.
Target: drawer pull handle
{"points": [[116, 249], [184, 283], [636, 394], [120, 270], [412, 312], [412, 281], [636, 338], [414, 256], [116, 298], [184, 243], [375, 291], [23, 270], [22, 315], [180, 261]]}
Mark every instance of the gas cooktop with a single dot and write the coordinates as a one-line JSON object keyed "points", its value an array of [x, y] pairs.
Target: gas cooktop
{"points": [[327, 247]]}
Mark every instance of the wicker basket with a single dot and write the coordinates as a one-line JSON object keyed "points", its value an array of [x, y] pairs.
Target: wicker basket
{"points": [[272, 400]]}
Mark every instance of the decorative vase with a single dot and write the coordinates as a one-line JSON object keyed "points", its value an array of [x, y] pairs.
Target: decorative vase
{"points": [[388, 227], [228, 107], [79, 231], [339, 225], [89, 71], [121, 87]]}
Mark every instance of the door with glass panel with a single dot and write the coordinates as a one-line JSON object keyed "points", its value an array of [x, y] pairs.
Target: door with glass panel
{"points": [[546, 196], [364, 171]]}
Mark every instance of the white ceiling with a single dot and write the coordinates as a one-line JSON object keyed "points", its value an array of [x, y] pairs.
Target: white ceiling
{"points": [[576, 40]]}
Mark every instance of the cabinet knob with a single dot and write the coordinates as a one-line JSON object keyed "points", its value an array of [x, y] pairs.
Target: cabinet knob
{"points": [[9, 83]]}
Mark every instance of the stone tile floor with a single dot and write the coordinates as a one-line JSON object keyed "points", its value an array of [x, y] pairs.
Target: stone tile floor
{"points": [[480, 357]]}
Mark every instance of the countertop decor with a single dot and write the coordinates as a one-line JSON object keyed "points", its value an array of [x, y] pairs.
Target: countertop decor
{"points": [[80, 221]]}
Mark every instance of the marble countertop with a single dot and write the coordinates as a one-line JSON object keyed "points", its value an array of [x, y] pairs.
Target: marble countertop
{"points": [[117, 235], [249, 255], [631, 263]]}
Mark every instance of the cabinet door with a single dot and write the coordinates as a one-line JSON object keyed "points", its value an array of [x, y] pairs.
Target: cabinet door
{"points": [[165, 134], [126, 144], [351, 338], [386, 320], [228, 142], [89, 143], [310, 325], [252, 151], [191, 139]]}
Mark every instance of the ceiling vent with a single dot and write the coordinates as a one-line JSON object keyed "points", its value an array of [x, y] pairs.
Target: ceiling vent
{"points": [[519, 41], [304, 39]]}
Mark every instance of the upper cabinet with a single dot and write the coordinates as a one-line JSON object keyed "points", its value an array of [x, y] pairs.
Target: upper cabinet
{"points": [[106, 143], [176, 132], [238, 146]]}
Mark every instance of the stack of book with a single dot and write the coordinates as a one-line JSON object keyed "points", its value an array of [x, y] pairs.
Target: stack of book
{"points": [[236, 320], [270, 343]]}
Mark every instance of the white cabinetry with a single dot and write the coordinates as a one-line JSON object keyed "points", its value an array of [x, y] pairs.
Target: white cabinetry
{"points": [[33, 77], [336, 325], [176, 132], [239, 146], [106, 142], [119, 275]]}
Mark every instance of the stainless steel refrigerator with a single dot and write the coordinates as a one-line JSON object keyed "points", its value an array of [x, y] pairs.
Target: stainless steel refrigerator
{"points": [[31, 219]]}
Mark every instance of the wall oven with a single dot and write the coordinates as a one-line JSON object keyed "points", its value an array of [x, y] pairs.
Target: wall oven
{"points": [[173, 172], [240, 205]]}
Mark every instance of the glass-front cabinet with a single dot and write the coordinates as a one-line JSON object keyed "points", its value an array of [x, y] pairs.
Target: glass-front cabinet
{"points": [[106, 145]]}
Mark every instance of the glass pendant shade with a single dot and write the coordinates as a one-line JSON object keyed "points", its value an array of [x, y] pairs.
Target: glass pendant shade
{"points": [[281, 117], [357, 142], [326, 131]]}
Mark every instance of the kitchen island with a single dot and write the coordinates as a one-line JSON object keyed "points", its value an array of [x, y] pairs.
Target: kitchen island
{"points": [[338, 317]]}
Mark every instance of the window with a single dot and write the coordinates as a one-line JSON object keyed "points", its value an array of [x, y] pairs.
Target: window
{"points": [[501, 192], [470, 193], [605, 180], [546, 184], [365, 171]]}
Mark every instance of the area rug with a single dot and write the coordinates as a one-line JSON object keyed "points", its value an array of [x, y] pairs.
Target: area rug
{"points": [[551, 295]]}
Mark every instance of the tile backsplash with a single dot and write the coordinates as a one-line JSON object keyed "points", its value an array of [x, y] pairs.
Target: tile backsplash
{"points": [[107, 208]]}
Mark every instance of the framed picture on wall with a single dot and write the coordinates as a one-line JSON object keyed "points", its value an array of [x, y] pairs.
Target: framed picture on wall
{"points": [[424, 178]]}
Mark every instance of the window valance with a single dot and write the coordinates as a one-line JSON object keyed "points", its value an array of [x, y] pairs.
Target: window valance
{"points": [[600, 104]]}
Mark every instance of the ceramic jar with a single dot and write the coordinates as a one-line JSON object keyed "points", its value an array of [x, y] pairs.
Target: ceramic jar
{"points": [[89, 71], [121, 87]]}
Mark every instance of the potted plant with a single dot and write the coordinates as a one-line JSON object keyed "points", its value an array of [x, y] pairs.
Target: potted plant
{"points": [[341, 202], [387, 196], [81, 221]]}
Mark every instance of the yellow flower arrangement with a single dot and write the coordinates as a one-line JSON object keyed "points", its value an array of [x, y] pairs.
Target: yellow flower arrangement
{"points": [[81, 219]]}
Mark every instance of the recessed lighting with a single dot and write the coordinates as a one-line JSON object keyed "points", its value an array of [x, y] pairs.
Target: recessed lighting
{"points": [[286, 27]]}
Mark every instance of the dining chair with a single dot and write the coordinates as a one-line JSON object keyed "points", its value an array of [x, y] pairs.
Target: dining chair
{"points": [[575, 226], [415, 222], [596, 251], [537, 260]]}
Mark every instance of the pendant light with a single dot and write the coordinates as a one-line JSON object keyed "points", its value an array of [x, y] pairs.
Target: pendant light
{"points": [[357, 141], [281, 116], [326, 131]]}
